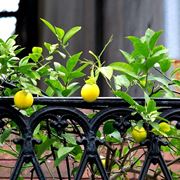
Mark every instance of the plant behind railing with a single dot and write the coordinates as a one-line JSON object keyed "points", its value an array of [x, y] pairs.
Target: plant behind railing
{"points": [[146, 67]]}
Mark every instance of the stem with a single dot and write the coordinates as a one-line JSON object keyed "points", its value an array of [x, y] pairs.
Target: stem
{"points": [[109, 41], [130, 151], [65, 50], [53, 150], [162, 74], [128, 169]]}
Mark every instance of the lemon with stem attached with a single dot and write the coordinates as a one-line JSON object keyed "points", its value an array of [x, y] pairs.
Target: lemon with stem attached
{"points": [[139, 134], [23, 99], [90, 92]]}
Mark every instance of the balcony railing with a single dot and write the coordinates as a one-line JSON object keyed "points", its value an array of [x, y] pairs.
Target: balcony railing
{"points": [[58, 116]]}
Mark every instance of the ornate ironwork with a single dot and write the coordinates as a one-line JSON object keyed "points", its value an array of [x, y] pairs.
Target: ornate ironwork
{"points": [[58, 113]]}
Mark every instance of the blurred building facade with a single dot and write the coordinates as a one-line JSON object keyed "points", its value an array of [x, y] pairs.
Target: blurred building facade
{"points": [[99, 20]]}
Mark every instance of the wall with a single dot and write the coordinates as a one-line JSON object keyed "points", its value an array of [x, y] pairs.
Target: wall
{"points": [[118, 17]]}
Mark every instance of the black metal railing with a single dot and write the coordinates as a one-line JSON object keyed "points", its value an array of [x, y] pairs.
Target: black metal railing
{"points": [[58, 113]]}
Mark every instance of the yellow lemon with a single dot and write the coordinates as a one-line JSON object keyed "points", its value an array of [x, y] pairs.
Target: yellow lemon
{"points": [[164, 127], [103, 162], [90, 92], [139, 134], [23, 99]]}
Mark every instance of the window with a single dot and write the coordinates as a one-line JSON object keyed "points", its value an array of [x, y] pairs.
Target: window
{"points": [[20, 17], [8, 13]]}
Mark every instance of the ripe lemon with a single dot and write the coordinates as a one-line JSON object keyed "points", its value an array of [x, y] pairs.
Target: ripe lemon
{"points": [[139, 134], [23, 99], [90, 92], [164, 127], [103, 162]]}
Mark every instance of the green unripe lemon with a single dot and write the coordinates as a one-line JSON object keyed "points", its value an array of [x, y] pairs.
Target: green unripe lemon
{"points": [[139, 134], [164, 127]]}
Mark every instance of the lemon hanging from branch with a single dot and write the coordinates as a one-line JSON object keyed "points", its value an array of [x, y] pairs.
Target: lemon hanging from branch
{"points": [[139, 134], [23, 99], [90, 90]]}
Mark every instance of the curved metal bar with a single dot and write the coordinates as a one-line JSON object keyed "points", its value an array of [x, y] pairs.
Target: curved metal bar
{"points": [[106, 114], [48, 112], [15, 116], [170, 114], [61, 115]]}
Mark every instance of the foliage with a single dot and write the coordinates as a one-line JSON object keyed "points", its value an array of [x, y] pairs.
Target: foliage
{"points": [[61, 76]]}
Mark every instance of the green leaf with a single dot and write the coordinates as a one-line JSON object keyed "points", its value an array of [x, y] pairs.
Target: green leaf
{"points": [[162, 51], [177, 70], [24, 61], [165, 64], [37, 129], [59, 33], [140, 47], [70, 34], [49, 25], [72, 61], [127, 56], [55, 84], [126, 97], [18, 50], [36, 53], [60, 68], [107, 71], [44, 70], [124, 68], [151, 61], [66, 92], [25, 68], [10, 43], [73, 87], [154, 39], [35, 56], [108, 127], [151, 106], [160, 80], [177, 82], [44, 146], [8, 152], [75, 74], [62, 153], [121, 80], [31, 88], [51, 47], [69, 138], [6, 133], [148, 35], [158, 94], [114, 137], [49, 91], [37, 50]]}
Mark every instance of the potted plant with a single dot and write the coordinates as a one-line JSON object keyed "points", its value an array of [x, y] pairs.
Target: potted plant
{"points": [[107, 144]]}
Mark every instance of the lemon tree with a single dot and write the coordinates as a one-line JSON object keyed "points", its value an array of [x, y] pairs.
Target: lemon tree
{"points": [[20, 77]]}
